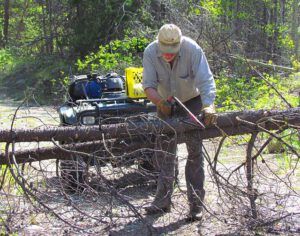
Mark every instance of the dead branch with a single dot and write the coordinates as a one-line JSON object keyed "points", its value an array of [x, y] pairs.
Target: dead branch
{"points": [[263, 64], [250, 174]]}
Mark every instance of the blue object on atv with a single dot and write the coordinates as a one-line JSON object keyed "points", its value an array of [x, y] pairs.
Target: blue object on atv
{"points": [[93, 86], [93, 89], [85, 88]]}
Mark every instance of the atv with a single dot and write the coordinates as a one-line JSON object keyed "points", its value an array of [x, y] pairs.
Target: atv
{"points": [[94, 99]]}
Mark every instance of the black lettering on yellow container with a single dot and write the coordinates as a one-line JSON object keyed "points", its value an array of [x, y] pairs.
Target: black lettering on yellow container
{"points": [[134, 76]]}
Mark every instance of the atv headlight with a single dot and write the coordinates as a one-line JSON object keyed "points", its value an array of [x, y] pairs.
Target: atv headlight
{"points": [[88, 120]]}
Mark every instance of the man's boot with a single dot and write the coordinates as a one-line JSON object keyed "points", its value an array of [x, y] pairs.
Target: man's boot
{"points": [[162, 201], [196, 205]]}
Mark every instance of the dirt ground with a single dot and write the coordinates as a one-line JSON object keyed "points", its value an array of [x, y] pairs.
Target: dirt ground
{"points": [[119, 210]]}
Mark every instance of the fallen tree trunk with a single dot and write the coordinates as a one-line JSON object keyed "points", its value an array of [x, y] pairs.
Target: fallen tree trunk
{"points": [[228, 124], [103, 152], [226, 121]]}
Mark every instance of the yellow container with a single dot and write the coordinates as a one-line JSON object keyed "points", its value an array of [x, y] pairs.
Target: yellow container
{"points": [[134, 76]]}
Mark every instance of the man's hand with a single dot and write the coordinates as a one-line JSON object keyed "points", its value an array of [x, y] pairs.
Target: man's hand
{"points": [[210, 115], [165, 107]]}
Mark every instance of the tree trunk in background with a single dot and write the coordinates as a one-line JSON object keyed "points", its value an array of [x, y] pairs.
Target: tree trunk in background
{"points": [[47, 21], [158, 9], [236, 25], [21, 28], [282, 11], [274, 49], [49, 41], [6, 23], [265, 20], [44, 47], [296, 27]]}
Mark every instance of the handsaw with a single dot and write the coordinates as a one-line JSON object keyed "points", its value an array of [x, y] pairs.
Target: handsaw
{"points": [[191, 115]]}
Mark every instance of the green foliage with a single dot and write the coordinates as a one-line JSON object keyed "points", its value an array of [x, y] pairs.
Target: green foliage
{"points": [[286, 159], [286, 41], [25, 26], [45, 77], [284, 162], [95, 22], [243, 93], [213, 7], [296, 65], [6, 60], [9, 181], [115, 56], [292, 137]]}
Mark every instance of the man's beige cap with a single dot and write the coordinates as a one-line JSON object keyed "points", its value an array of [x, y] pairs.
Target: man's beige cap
{"points": [[169, 38]]}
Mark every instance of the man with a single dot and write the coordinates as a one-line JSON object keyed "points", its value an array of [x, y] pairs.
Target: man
{"points": [[175, 65]]}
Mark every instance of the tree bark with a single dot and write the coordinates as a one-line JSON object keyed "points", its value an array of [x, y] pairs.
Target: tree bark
{"points": [[282, 11], [294, 28], [274, 49], [106, 152], [44, 27], [49, 39], [6, 23], [158, 9], [237, 21], [20, 26], [250, 175]]}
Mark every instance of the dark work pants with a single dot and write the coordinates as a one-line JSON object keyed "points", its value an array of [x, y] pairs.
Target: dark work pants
{"points": [[194, 169]]}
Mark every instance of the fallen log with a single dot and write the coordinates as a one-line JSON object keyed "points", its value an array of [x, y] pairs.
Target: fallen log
{"points": [[104, 152], [270, 119], [228, 124], [65, 152]]}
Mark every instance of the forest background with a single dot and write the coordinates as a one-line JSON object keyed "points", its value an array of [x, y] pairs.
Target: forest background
{"points": [[250, 45]]}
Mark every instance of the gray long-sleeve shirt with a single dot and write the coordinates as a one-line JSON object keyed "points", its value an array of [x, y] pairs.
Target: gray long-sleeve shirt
{"points": [[189, 76]]}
